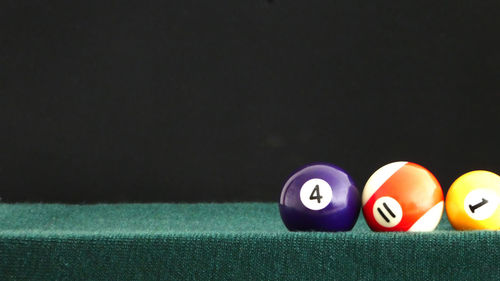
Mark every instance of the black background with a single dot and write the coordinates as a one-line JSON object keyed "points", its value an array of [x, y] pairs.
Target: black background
{"points": [[221, 100]]}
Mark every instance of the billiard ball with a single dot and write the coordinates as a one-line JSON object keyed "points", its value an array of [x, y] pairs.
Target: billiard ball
{"points": [[402, 196], [472, 201], [320, 197]]}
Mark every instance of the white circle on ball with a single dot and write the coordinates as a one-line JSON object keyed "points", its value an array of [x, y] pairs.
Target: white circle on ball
{"points": [[481, 203], [316, 194], [387, 211]]}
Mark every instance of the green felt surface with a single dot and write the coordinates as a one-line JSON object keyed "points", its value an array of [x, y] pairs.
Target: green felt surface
{"points": [[224, 242]]}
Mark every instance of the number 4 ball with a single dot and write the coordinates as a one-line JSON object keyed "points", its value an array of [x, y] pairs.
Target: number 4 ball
{"points": [[402, 196], [320, 197]]}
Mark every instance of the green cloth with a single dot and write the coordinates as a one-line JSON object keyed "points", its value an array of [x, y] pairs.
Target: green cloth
{"points": [[237, 241]]}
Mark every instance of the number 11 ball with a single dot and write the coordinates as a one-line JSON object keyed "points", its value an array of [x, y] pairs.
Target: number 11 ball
{"points": [[402, 196], [320, 197]]}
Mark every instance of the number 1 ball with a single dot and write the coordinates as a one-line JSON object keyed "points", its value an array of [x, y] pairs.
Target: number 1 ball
{"points": [[473, 201], [320, 197]]}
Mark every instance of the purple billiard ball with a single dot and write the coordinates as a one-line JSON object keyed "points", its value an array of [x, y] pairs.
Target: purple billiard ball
{"points": [[320, 197]]}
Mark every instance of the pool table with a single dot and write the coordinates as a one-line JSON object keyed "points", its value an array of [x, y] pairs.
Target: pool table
{"points": [[224, 241]]}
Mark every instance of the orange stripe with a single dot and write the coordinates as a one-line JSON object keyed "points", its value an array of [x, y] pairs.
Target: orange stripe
{"points": [[416, 190]]}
